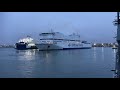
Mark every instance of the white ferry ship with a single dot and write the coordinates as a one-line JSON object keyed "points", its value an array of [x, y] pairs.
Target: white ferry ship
{"points": [[55, 40]]}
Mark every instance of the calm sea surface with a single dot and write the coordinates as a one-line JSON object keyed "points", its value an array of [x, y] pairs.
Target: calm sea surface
{"points": [[79, 63]]}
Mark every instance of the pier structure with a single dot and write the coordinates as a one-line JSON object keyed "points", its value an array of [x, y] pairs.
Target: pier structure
{"points": [[117, 62]]}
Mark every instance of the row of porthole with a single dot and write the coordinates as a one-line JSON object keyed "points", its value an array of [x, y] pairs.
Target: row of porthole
{"points": [[75, 45]]}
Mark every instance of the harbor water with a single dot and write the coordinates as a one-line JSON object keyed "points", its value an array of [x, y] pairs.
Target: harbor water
{"points": [[96, 62]]}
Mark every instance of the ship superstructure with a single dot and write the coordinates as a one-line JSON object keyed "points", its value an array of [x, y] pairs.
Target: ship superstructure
{"points": [[55, 40], [25, 43]]}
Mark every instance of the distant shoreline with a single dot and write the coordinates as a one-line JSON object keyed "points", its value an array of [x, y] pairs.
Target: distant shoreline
{"points": [[7, 46]]}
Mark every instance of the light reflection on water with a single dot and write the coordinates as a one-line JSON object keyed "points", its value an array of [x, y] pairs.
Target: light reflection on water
{"points": [[95, 62], [26, 54], [103, 53], [94, 53], [26, 66], [114, 52], [29, 58]]}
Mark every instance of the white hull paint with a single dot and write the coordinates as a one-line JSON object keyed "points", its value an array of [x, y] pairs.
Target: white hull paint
{"points": [[48, 47], [62, 46]]}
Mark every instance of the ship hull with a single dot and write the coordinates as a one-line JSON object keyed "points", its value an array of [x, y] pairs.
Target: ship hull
{"points": [[114, 48], [59, 47], [20, 46], [48, 47], [77, 48]]}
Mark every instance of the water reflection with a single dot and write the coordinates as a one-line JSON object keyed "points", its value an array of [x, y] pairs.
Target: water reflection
{"points": [[26, 54], [26, 62], [114, 54], [47, 56], [65, 63], [94, 53], [102, 53], [99, 52], [115, 61]]}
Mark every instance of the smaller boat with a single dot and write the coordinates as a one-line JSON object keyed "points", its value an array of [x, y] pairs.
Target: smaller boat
{"points": [[25, 43], [114, 47]]}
